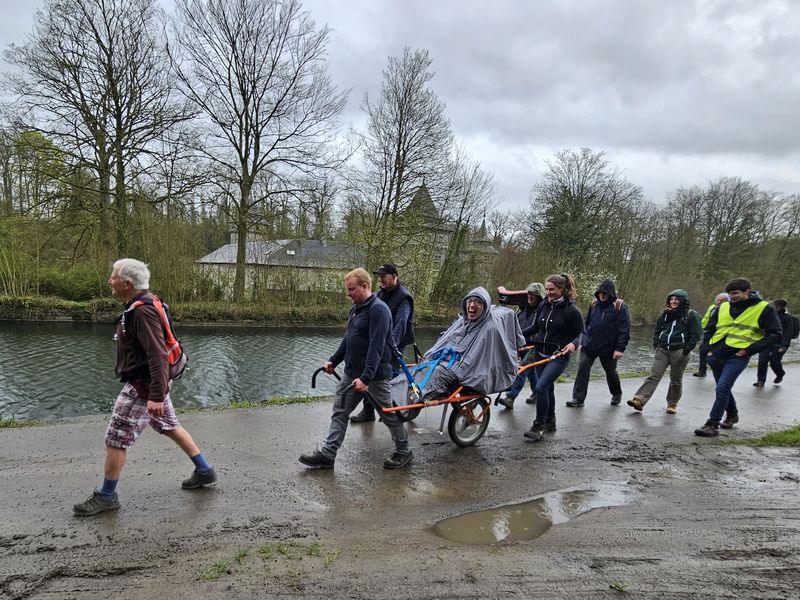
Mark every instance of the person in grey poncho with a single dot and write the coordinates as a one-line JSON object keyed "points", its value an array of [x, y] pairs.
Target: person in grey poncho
{"points": [[478, 350]]}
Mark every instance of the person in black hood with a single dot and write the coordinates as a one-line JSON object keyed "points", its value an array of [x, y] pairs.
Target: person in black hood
{"points": [[557, 329], [677, 332], [608, 330], [773, 357], [739, 329]]}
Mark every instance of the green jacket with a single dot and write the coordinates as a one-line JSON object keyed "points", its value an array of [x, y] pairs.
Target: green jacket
{"points": [[678, 329]]}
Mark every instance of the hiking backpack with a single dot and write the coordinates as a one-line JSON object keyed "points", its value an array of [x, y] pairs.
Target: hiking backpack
{"points": [[617, 304], [795, 327], [176, 357]]}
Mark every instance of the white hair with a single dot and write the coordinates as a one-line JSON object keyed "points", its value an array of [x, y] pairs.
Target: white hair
{"points": [[135, 271]]}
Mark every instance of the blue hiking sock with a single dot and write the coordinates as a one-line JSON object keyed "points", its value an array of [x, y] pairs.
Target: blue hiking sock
{"points": [[109, 487], [200, 463]]}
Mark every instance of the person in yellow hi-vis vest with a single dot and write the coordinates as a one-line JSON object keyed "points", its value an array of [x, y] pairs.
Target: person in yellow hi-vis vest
{"points": [[703, 350], [744, 326]]}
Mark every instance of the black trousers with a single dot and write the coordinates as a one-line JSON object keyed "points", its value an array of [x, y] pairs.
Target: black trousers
{"points": [[585, 363], [703, 351]]}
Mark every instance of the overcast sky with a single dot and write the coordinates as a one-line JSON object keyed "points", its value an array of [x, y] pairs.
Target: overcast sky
{"points": [[676, 93]]}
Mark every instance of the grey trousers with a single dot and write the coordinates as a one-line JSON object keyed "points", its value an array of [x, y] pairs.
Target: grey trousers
{"points": [[344, 405], [662, 359]]}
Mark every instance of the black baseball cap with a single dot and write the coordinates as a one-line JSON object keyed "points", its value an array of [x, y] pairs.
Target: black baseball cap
{"points": [[387, 269]]}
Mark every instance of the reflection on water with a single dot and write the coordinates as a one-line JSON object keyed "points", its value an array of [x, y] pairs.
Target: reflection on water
{"points": [[54, 370], [529, 520]]}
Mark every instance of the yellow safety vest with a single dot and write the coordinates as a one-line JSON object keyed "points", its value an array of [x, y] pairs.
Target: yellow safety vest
{"points": [[741, 332], [707, 316]]}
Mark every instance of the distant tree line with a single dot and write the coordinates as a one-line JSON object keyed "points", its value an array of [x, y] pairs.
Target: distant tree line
{"points": [[585, 217], [134, 132]]}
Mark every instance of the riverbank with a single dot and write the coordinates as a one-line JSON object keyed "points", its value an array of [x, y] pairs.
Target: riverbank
{"points": [[273, 529], [264, 314]]}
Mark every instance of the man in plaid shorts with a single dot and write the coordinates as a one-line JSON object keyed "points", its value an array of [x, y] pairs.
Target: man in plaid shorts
{"points": [[144, 400]]}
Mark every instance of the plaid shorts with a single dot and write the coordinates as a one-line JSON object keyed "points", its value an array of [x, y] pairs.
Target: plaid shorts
{"points": [[130, 417]]}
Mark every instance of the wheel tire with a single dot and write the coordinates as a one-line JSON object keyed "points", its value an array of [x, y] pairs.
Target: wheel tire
{"points": [[411, 413], [468, 421]]}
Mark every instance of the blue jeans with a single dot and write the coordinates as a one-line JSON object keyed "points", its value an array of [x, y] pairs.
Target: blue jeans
{"points": [[546, 376], [726, 370], [344, 405], [519, 382]]}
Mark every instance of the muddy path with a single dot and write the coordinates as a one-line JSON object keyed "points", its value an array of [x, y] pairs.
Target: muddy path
{"points": [[698, 518]]}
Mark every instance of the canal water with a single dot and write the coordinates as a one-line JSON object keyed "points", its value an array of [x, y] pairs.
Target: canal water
{"points": [[51, 370]]}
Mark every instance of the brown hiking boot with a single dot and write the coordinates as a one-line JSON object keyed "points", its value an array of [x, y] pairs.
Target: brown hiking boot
{"points": [[730, 420], [636, 403], [710, 429]]}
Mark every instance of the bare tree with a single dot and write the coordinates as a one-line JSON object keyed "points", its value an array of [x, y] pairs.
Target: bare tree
{"points": [[407, 143], [92, 77], [256, 71], [469, 193]]}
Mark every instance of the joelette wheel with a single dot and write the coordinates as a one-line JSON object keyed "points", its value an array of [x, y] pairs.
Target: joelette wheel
{"points": [[468, 421]]}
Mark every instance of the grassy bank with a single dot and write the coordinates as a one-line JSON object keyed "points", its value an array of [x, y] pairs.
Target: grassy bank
{"points": [[267, 313], [787, 437]]}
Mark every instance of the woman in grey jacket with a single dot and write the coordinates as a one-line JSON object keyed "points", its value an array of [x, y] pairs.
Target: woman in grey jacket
{"points": [[677, 332]]}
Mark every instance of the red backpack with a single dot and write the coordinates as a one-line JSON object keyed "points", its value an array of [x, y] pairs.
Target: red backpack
{"points": [[176, 357]]}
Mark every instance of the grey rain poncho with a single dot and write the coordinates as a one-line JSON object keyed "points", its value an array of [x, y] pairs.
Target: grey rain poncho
{"points": [[487, 348]]}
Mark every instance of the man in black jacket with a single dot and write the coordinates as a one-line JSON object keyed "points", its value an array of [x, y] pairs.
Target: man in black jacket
{"points": [[608, 330], [773, 357], [366, 350], [401, 305]]}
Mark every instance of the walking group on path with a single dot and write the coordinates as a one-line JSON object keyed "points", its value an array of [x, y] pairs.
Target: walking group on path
{"points": [[739, 325]]}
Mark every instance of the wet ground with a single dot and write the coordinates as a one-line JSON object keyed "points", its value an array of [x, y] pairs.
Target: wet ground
{"points": [[637, 504]]}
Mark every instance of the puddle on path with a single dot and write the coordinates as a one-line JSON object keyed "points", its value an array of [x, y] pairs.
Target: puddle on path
{"points": [[529, 520]]}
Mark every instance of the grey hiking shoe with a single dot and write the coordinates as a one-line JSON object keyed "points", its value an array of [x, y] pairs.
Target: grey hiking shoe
{"points": [[506, 401], [397, 460], [316, 460], [199, 479], [95, 504]]}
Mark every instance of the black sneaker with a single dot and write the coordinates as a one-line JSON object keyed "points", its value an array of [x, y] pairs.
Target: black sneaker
{"points": [[758, 384], [699, 374], [615, 400], [95, 504], [575, 403], [199, 479], [710, 429], [364, 416], [505, 401], [536, 432], [730, 420], [550, 426], [316, 460], [778, 379], [398, 461], [530, 399]]}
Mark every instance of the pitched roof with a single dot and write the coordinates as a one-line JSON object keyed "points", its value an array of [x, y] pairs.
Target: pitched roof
{"points": [[297, 253]]}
